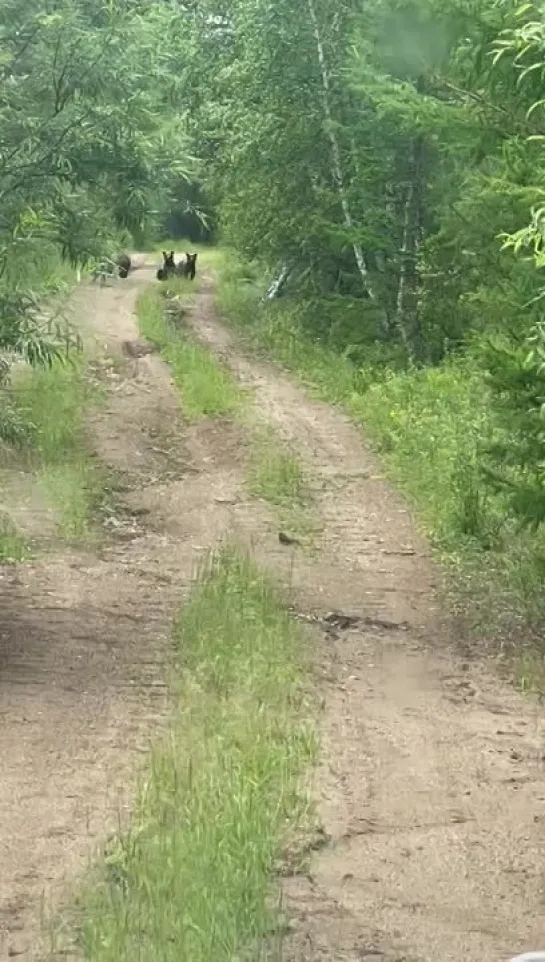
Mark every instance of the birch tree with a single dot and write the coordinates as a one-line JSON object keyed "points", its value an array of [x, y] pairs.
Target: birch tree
{"points": [[336, 160]]}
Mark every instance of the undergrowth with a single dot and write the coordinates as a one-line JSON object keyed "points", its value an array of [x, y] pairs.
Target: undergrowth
{"points": [[13, 546], [192, 880], [205, 387], [430, 427], [52, 404], [42, 418]]}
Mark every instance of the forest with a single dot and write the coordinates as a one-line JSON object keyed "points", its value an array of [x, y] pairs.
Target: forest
{"points": [[374, 175]]}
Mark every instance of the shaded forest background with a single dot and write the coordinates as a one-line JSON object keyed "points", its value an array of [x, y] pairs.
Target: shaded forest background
{"points": [[375, 176]]}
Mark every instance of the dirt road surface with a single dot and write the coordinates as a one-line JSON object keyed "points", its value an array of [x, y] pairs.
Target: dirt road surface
{"points": [[432, 783], [431, 786]]}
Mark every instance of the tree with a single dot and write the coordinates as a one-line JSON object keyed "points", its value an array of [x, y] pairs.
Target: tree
{"points": [[89, 137]]}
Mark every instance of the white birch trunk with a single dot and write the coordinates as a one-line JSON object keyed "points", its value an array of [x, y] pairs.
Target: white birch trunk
{"points": [[276, 286], [402, 283], [335, 151], [406, 316]]}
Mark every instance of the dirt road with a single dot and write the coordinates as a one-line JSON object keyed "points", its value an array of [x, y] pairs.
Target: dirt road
{"points": [[431, 786]]}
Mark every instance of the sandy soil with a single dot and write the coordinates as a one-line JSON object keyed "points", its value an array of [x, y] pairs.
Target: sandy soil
{"points": [[431, 785]]}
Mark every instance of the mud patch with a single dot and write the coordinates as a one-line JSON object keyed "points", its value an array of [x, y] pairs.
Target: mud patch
{"points": [[221, 443]]}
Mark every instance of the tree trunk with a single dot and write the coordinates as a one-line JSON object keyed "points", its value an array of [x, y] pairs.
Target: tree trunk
{"points": [[407, 310], [335, 151], [273, 291]]}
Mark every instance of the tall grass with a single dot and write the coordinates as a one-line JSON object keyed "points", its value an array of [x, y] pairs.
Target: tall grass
{"points": [[430, 428], [42, 414], [52, 404], [206, 388], [191, 881]]}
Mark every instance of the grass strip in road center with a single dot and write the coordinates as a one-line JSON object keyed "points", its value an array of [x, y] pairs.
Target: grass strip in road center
{"points": [[206, 388], [192, 880]]}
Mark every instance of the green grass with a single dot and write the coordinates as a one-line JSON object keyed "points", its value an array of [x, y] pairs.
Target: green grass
{"points": [[429, 427], [277, 332], [193, 878], [205, 387], [276, 475], [13, 547], [52, 404], [75, 489], [42, 417]]}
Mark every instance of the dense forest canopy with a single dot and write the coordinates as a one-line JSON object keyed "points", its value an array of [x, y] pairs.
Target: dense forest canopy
{"points": [[379, 152], [381, 162]]}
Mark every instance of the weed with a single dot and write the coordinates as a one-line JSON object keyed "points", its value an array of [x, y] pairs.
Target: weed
{"points": [[276, 475], [75, 488], [52, 403], [192, 878], [275, 328], [429, 426], [13, 546]]}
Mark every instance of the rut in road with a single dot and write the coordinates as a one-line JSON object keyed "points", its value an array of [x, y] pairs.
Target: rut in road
{"points": [[431, 787]]}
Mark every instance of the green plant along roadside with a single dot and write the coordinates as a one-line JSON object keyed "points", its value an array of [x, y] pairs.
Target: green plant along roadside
{"points": [[52, 403], [44, 419]]}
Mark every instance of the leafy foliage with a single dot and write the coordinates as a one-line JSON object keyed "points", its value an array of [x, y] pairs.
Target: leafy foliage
{"points": [[90, 137], [385, 164]]}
